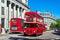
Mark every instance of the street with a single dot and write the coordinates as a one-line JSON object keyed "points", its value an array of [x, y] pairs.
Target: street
{"points": [[46, 35]]}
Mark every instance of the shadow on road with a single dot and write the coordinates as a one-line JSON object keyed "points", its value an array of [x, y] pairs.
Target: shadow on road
{"points": [[15, 38], [15, 33], [56, 33], [30, 35]]}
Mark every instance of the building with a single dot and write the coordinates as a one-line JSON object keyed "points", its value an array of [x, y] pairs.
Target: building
{"points": [[48, 19], [11, 9]]}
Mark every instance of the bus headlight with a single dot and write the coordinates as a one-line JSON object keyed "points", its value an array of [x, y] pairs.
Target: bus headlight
{"points": [[34, 31], [14, 28], [24, 31]]}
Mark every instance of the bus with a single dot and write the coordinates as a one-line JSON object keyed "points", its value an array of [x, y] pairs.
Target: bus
{"points": [[33, 24], [16, 25]]}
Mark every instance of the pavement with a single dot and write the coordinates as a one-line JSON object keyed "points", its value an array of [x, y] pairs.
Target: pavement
{"points": [[46, 35]]}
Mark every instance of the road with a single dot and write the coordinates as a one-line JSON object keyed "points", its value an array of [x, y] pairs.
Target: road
{"points": [[46, 35]]}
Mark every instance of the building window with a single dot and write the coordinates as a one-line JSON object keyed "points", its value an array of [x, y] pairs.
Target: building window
{"points": [[2, 1], [2, 10], [26, 1], [2, 22]]}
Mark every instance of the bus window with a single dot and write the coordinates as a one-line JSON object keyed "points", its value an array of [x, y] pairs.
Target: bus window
{"points": [[30, 25], [14, 27], [40, 20], [29, 19], [14, 20]]}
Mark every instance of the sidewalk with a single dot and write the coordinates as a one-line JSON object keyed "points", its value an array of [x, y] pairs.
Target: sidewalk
{"points": [[4, 36]]}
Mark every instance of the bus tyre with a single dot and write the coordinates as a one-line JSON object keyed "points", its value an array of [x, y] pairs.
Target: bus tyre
{"points": [[24, 34], [41, 33], [37, 34], [10, 33]]}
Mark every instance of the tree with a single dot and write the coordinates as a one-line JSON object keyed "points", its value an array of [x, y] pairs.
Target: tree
{"points": [[53, 25], [58, 21], [57, 26]]}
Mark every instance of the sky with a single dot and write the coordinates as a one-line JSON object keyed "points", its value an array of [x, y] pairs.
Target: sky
{"points": [[46, 5]]}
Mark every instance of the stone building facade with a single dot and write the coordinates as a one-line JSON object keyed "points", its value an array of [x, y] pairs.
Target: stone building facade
{"points": [[11, 9], [48, 19]]}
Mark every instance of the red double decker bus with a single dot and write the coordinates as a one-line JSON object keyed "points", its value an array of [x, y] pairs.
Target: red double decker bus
{"points": [[33, 24]]}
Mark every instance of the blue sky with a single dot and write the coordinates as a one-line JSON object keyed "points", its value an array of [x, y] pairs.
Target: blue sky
{"points": [[45, 5]]}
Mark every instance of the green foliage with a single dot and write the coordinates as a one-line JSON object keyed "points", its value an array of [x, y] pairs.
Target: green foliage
{"points": [[53, 25], [58, 21], [58, 26]]}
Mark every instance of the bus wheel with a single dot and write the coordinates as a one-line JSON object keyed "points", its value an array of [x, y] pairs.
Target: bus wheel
{"points": [[10, 33], [37, 34], [24, 34], [41, 34]]}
